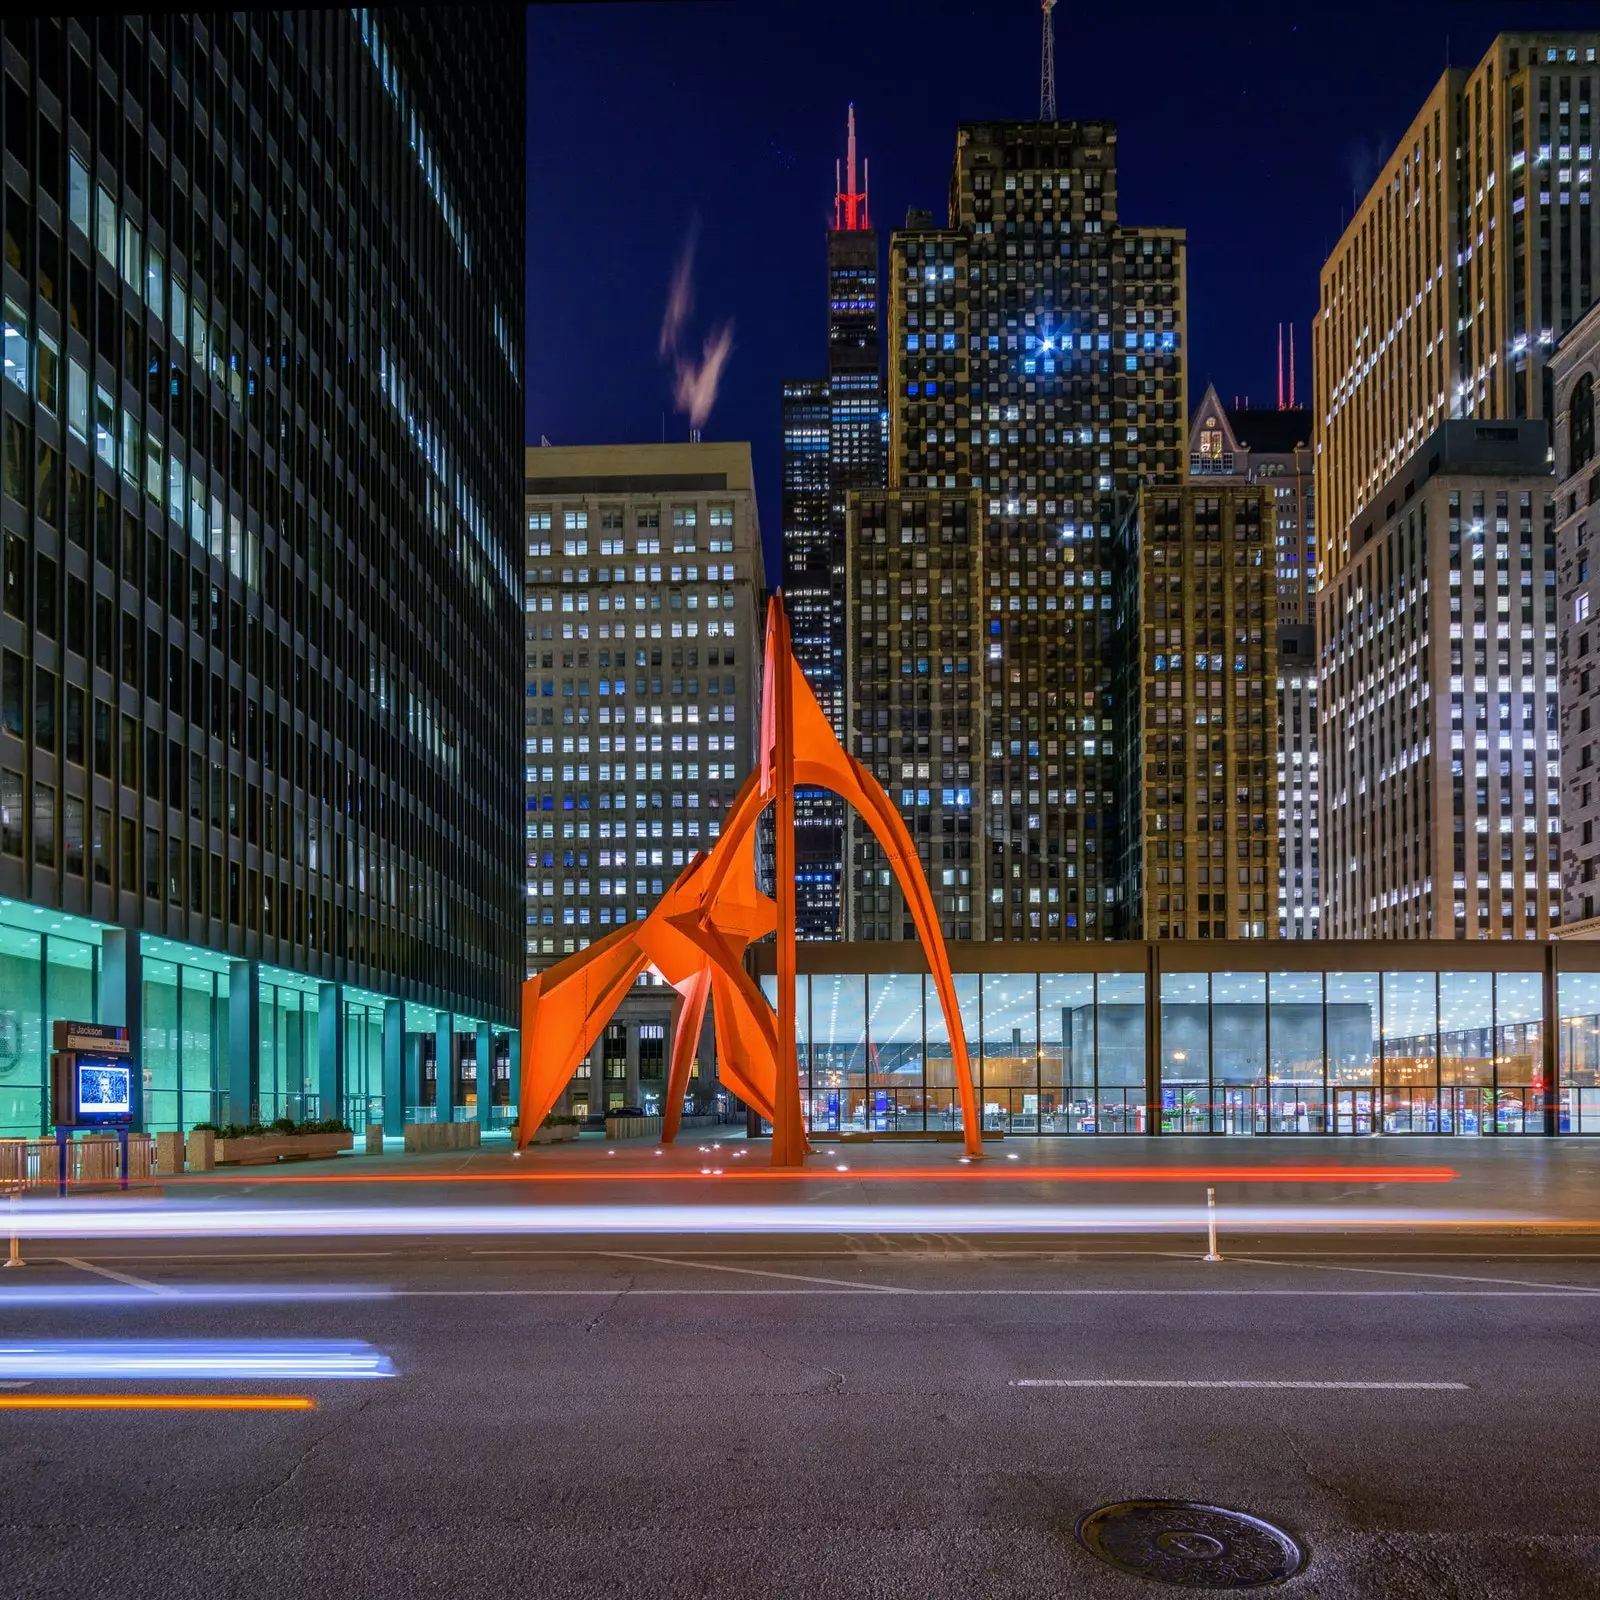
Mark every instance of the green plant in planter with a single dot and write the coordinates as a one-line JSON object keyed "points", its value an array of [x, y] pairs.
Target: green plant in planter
{"points": [[204, 1127]]}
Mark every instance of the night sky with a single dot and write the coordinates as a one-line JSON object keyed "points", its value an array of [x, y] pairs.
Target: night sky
{"points": [[1250, 126]]}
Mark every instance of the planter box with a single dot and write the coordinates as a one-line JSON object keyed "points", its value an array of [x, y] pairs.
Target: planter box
{"points": [[202, 1150], [560, 1134], [169, 1153], [424, 1136], [633, 1127], [271, 1147]]}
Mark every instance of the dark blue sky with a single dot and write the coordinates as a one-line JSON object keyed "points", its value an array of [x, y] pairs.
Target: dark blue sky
{"points": [[1249, 126]]}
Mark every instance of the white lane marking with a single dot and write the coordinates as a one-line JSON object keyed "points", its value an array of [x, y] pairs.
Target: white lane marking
{"points": [[1400, 1272], [1219, 1383], [757, 1272], [120, 1277]]}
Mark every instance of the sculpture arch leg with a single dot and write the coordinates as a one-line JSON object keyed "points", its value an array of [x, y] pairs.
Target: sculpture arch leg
{"points": [[689, 1013], [564, 1010]]}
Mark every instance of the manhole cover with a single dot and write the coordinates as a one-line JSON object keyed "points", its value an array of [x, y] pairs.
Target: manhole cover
{"points": [[1198, 1547]]}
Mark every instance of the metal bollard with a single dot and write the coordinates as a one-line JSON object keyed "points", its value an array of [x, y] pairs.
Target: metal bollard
{"points": [[14, 1257], [1211, 1225]]}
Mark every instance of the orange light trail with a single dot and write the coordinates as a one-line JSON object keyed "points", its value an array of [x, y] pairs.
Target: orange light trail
{"points": [[1253, 1175], [157, 1402]]}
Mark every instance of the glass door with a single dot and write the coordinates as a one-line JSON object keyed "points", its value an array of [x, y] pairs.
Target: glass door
{"points": [[1238, 1110], [1352, 1111]]}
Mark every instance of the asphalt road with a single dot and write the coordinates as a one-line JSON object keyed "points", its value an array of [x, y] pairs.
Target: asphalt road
{"points": [[822, 1416]]}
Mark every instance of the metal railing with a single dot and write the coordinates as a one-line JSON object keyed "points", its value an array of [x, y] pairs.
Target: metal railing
{"points": [[97, 1160]]}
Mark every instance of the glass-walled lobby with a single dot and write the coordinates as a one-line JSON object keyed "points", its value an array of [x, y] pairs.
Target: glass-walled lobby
{"points": [[305, 1049], [1415, 1039]]}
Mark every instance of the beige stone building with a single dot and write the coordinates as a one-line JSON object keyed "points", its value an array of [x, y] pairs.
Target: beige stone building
{"points": [[1575, 370], [1440, 744], [1473, 251]]}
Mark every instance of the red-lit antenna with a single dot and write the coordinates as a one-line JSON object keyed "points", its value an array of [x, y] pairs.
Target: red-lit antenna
{"points": [[850, 204], [1291, 364], [1280, 366]]}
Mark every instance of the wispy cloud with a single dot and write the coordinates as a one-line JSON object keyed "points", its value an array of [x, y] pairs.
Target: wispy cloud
{"points": [[680, 297], [694, 383]]}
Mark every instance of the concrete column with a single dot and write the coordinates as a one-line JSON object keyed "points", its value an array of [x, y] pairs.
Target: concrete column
{"points": [[122, 1001], [1550, 1041], [485, 1073], [242, 1082], [516, 1072], [1152, 1039], [330, 1050], [630, 1084], [394, 1085], [444, 1033], [411, 1072]]}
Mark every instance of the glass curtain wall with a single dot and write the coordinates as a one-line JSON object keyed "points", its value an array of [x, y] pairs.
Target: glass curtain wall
{"points": [[1238, 1052], [1050, 1052], [1351, 1012], [1578, 1043], [1519, 1088], [363, 1062], [1396, 1052], [944, 1104], [1297, 1079], [894, 1052], [1119, 1043], [1066, 1053], [1185, 1052], [1010, 1069], [24, 1041], [1466, 1051]]}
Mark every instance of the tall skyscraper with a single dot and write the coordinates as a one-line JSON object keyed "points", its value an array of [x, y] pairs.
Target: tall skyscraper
{"points": [[642, 597], [1441, 753], [1272, 448], [1299, 785], [1575, 371], [1474, 249], [1038, 368], [855, 368], [913, 677], [850, 405], [258, 764], [809, 598], [1199, 736]]}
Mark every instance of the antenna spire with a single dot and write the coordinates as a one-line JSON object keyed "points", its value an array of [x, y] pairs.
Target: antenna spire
{"points": [[1047, 65], [1280, 366], [1291, 364], [850, 203]]}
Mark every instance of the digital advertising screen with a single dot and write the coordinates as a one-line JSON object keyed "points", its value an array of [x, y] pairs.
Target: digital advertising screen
{"points": [[104, 1090]]}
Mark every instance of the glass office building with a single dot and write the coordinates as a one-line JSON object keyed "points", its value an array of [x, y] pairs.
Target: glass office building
{"points": [[1400, 1037], [262, 429]]}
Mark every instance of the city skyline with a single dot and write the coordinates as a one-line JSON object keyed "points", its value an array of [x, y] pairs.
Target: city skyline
{"points": [[1261, 166]]}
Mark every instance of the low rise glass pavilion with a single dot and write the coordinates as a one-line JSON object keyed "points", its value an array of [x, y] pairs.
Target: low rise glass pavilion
{"points": [[1312, 1037]]}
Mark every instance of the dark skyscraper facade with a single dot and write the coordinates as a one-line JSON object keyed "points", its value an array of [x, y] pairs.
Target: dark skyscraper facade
{"points": [[259, 761], [1038, 365], [814, 545]]}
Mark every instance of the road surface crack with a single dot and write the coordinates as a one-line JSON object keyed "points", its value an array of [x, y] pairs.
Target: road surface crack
{"points": [[1326, 1484], [836, 1379], [304, 1456], [610, 1306]]}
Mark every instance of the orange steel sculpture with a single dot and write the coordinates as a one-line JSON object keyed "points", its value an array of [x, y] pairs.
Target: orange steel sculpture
{"points": [[696, 936]]}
